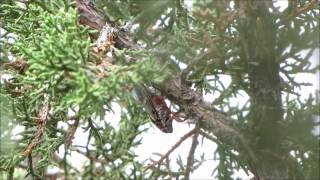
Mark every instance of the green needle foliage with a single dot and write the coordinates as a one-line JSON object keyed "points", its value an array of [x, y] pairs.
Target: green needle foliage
{"points": [[53, 84], [56, 48]]}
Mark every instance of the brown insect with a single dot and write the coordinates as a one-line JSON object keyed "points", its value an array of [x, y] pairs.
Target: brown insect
{"points": [[157, 108], [161, 114]]}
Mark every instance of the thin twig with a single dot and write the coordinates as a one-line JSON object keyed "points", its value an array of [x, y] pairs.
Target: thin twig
{"points": [[87, 156], [31, 169], [175, 146], [42, 121], [72, 131], [168, 167], [60, 163], [65, 162], [192, 150]]}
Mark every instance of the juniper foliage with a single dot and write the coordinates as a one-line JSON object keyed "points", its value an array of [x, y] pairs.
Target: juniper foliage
{"points": [[47, 55]]}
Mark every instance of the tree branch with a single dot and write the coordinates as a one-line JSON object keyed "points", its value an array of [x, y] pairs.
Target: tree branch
{"points": [[190, 159], [88, 15], [168, 167], [87, 155], [72, 131], [42, 121], [211, 120]]}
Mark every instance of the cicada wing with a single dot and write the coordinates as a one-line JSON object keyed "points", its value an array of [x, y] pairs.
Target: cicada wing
{"points": [[143, 95], [158, 115]]}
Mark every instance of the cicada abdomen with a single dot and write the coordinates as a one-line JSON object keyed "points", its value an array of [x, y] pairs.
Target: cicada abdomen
{"points": [[156, 107]]}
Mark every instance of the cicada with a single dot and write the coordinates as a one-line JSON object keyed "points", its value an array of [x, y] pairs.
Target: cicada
{"points": [[157, 108]]}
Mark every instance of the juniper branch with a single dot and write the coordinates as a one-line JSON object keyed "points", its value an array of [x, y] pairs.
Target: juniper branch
{"points": [[175, 146]]}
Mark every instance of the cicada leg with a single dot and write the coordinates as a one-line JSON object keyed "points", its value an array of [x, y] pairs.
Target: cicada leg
{"points": [[175, 115], [178, 118]]}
